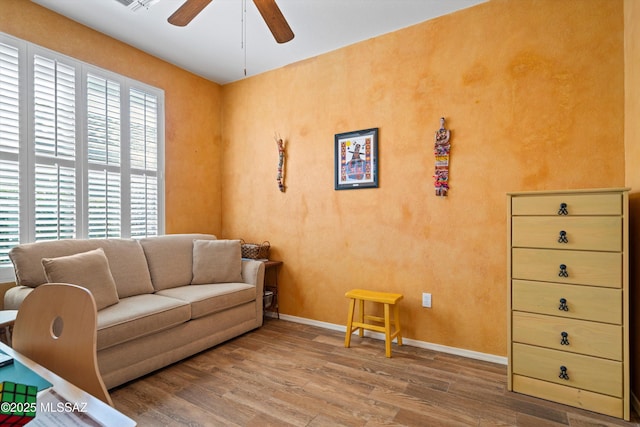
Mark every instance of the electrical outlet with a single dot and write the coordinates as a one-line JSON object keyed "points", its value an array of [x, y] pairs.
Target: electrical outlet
{"points": [[426, 300]]}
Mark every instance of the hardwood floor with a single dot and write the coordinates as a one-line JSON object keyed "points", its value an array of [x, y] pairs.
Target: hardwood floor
{"points": [[289, 374]]}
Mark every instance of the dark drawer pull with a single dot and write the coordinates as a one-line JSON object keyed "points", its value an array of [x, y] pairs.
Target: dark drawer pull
{"points": [[563, 271], [565, 338], [563, 373], [562, 237], [563, 305], [563, 209]]}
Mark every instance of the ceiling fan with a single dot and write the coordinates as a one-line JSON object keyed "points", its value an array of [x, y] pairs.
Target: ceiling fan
{"points": [[269, 10]]}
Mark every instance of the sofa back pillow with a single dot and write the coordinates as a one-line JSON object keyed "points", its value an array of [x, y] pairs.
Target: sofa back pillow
{"points": [[126, 260], [87, 269], [170, 258], [128, 266], [216, 261]]}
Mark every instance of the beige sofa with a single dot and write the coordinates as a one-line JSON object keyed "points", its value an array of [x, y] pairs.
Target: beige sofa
{"points": [[159, 299]]}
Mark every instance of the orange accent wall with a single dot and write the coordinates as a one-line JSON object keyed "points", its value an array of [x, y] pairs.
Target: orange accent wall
{"points": [[533, 92], [193, 121], [632, 170]]}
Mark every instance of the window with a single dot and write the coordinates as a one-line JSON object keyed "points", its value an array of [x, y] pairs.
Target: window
{"points": [[81, 151]]}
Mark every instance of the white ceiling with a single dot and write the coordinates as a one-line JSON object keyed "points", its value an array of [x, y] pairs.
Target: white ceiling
{"points": [[212, 44]]}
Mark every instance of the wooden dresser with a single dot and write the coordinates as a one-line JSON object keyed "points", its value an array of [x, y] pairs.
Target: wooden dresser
{"points": [[568, 302]]}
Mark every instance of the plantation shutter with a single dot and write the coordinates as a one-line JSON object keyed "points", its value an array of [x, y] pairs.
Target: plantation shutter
{"points": [[104, 157], [144, 163], [9, 151], [54, 92], [81, 151]]}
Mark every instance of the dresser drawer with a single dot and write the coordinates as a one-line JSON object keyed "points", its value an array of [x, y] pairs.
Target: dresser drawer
{"points": [[580, 267], [582, 302], [583, 399], [585, 233], [576, 204], [584, 372], [582, 336]]}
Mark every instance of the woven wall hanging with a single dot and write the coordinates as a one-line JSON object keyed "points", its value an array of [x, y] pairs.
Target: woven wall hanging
{"points": [[441, 151], [280, 177]]}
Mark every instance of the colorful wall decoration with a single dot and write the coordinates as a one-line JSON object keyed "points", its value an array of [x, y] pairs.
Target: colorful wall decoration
{"points": [[441, 150]]}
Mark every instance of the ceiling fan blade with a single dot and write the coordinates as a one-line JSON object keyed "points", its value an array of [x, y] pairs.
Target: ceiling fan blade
{"points": [[189, 10], [274, 19]]}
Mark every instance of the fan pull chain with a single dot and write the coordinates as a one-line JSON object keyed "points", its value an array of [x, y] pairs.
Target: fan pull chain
{"points": [[244, 34]]}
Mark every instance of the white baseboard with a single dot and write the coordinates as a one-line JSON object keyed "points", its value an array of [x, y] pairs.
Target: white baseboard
{"points": [[415, 343]]}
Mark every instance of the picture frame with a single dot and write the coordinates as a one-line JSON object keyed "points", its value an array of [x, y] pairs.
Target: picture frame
{"points": [[356, 159]]}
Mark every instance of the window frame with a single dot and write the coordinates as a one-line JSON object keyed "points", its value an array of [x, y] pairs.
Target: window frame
{"points": [[27, 157]]}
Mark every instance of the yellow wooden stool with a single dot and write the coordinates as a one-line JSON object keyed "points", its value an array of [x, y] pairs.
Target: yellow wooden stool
{"points": [[386, 298]]}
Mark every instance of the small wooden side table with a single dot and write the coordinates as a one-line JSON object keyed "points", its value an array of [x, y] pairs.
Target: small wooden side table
{"points": [[271, 269], [7, 319]]}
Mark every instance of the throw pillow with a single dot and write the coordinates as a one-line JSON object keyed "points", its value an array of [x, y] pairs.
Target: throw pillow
{"points": [[87, 269], [216, 261]]}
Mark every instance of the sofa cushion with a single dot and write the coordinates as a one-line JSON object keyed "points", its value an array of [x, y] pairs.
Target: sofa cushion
{"points": [[126, 260], [216, 261], [138, 316], [128, 266], [170, 258], [207, 299], [87, 269]]}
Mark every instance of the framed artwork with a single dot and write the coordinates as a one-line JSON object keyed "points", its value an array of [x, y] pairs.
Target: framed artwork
{"points": [[356, 159]]}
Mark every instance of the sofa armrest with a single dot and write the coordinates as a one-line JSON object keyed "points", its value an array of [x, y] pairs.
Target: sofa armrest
{"points": [[14, 296], [253, 274]]}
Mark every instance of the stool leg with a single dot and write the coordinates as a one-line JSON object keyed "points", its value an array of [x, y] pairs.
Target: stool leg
{"points": [[347, 337], [361, 332], [396, 316], [387, 331]]}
